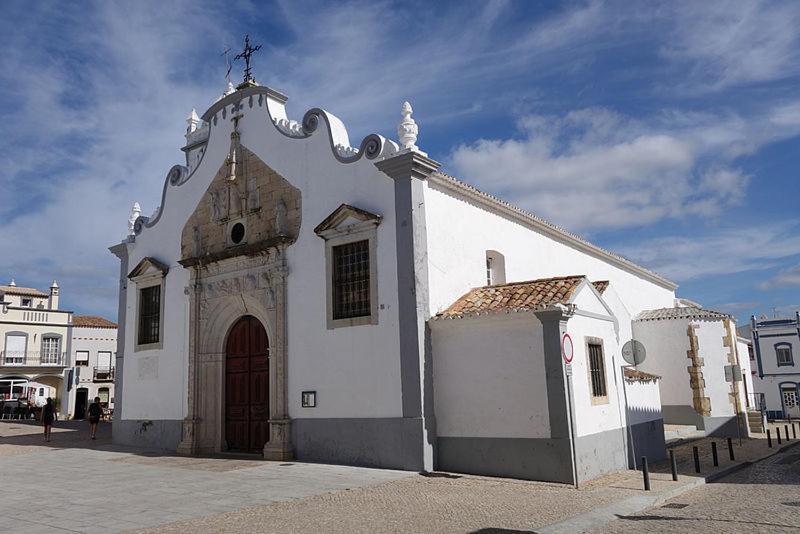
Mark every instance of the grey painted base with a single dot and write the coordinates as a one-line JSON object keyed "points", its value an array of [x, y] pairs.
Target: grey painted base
{"points": [[722, 427], [601, 453], [681, 415], [526, 458], [158, 434], [726, 426], [391, 443], [648, 440]]}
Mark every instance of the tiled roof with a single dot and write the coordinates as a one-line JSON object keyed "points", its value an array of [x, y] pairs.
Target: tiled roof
{"points": [[601, 286], [639, 376], [453, 183], [27, 291], [517, 296], [92, 321], [688, 312]]}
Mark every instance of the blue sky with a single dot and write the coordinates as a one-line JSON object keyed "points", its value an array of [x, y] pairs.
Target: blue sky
{"points": [[667, 132]]}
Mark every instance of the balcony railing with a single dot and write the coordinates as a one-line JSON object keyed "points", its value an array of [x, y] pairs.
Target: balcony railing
{"points": [[30, 358], [103, 374]]}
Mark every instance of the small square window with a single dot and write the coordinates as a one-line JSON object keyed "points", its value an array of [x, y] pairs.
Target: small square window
{"points": [[783, 352], [82, 358], [27, 303]]}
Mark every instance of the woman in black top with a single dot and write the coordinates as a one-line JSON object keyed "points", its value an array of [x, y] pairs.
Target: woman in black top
{"points": [[95, 411], [48, 416]]}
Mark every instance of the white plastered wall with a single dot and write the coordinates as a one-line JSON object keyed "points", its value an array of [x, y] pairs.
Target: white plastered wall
{"points": [[489, 378], [355, 370], [644, 401], [460, 232]]}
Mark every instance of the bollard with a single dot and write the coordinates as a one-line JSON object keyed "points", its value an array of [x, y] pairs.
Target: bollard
{"points": [[730, 449], [786, 428], [769, 439], [645, 473], [696, 459], [714, 453], [673, 464], [794, 431], [778, 433]]}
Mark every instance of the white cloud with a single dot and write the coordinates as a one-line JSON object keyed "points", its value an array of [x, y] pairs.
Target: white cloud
{"points": [[787, 278], [594, 168], [735, 42], [725, 251]]}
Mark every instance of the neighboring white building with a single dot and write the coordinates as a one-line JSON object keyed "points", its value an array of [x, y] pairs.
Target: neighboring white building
{"points": [[776, 344], [695, 352], [94, 347], [34, 344], [280, 301]]}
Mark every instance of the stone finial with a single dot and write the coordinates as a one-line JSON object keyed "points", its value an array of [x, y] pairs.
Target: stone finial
{"points": [[230, 90], [193, 121], [13, 283], [407, 129], [54, 285], [136, 210]]}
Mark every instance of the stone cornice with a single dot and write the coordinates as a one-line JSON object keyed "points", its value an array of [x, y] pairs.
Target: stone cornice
{"points": [[244, 250], [410, 163]]}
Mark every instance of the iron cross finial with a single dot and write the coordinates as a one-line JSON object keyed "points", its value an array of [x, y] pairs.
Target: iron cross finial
{"points": [[246, 54]]}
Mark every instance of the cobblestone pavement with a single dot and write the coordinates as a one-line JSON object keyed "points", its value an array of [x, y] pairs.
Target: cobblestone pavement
{"points": [[762, 498]]}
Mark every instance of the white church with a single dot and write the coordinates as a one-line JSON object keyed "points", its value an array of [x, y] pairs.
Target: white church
{"points": [[297, 296]]}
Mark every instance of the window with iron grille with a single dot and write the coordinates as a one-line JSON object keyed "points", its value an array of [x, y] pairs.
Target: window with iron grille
{"points": [[351, 282], [597, 370], [149, 315]]}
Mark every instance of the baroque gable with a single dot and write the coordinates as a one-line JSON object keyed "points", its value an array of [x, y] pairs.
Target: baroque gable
{"points": [[247, 207]]}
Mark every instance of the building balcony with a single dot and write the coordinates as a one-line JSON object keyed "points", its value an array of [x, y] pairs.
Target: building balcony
{"points": [[12, 358], [103, 374]]}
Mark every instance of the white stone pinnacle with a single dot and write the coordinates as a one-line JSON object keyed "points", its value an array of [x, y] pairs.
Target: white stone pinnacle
{"points": [[230, 90], [13, 283], [407, 129], [193, 121], [136, 210]]}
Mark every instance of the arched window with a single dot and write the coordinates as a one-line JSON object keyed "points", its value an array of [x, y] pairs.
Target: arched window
{"points": [[495, 268], [783, 352]]}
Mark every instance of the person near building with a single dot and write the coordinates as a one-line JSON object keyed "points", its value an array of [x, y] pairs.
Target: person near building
{"points": [[48, 416], [95, 412]]}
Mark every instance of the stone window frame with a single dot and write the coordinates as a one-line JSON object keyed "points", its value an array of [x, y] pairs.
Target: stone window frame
{"points": [[784, 345], [335, 233], [144, 282], [596, 400], [363, 232]]}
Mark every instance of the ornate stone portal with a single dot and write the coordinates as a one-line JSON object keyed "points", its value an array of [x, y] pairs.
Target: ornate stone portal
{"points": [[235, 246]]}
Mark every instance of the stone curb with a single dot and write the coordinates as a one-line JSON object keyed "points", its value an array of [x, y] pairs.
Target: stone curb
{"points": [[638, 503]]}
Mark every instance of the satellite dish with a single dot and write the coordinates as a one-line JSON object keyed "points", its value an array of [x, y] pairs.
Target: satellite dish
{"points": [[633, 352]]}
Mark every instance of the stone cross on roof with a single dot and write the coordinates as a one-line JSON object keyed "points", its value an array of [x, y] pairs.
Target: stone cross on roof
{"points": [[246, 54]]}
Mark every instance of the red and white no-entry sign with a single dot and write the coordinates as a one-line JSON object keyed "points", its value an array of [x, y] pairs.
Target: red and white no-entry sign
{"points": [[567, 350]]}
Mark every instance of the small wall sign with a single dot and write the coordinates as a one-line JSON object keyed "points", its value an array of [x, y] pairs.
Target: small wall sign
{"points": [[308, 399], [567, 350]]}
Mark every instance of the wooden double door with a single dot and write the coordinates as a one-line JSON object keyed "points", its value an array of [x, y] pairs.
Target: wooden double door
{"points": [[247, 386]]}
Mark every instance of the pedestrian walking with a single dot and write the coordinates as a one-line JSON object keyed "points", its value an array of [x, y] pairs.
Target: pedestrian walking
{"points": [[95, 411], [48, 416]]}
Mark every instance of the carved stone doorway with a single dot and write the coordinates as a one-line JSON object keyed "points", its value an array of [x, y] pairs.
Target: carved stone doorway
{"points": [[247, 386]]}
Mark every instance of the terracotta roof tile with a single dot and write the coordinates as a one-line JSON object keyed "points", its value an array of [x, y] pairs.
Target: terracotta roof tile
{"points": [[639, 376], [601, 286], [92, 321], [27, 291], [517, 296], [685, 312]]}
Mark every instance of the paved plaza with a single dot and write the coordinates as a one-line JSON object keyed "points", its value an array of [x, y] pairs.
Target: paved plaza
{"points": [[74, 484]]}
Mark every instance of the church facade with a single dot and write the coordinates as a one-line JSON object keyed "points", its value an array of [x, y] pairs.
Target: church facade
{"points": [[299, 297]]}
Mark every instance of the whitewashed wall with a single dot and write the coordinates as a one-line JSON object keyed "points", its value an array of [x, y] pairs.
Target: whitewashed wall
{"points": [[592, 419], [355, 371], [769, 359], [644, 401], [460, 233], [666, 344], [489, 378], [710, 337], [92, 340]]}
